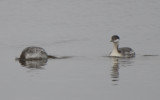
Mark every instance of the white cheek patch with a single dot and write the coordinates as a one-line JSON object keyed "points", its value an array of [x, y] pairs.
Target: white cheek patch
{"points": [[117, 40]]}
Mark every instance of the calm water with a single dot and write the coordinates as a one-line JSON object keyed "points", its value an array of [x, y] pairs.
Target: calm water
{"points": [[80, 29]]}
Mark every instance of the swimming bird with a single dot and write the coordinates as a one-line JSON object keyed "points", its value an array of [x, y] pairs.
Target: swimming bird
{"points": [[34, 53], [120, 52]]}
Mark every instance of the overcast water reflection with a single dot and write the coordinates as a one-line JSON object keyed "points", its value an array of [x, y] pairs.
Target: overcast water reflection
{"points": [[80, 30], [115, 71], [118, 63]]}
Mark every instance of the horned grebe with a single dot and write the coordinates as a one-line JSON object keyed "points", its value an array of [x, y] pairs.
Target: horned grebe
{"points": [[120, 52], [34, 53]]}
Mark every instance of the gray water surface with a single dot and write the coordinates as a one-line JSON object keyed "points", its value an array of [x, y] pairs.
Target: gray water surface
{"points": [[80, 29]]}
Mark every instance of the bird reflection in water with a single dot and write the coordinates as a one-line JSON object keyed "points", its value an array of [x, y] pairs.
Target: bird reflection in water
{"points": [[115, 71], [33, 63], [117, 63]]}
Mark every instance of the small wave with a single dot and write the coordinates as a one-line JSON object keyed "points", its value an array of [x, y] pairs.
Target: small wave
{"points": [[150, 55]]}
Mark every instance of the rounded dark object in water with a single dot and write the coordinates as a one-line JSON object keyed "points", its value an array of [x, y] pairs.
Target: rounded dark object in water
{"points": [[34, 53]]}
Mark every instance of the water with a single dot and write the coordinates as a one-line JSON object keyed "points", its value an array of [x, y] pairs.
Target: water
{"points": [[81, 30]]}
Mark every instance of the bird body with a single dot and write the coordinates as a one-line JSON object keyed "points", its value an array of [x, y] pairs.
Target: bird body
{"points": [[120, 52]]}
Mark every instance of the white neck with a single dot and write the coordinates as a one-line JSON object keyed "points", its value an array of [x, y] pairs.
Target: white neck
{"points": [[115, 50]]}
